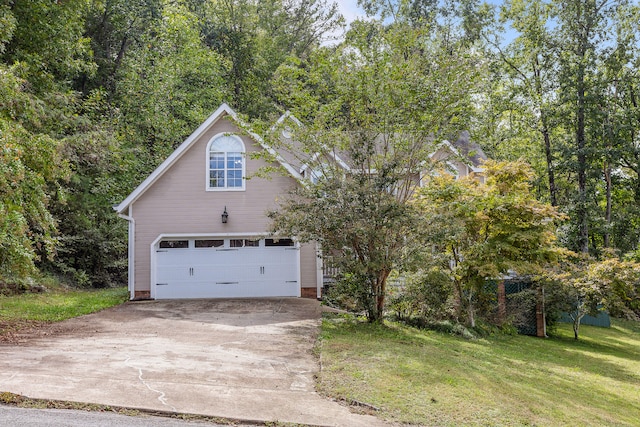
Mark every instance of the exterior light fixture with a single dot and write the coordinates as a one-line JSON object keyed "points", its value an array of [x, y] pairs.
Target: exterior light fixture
{"points": [[225, 215]]}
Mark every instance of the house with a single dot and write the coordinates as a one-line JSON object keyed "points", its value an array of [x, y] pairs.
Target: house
{"points": [[197, 225]]}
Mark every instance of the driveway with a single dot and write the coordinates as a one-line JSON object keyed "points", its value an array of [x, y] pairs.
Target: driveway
{"points": [[244, 359]]}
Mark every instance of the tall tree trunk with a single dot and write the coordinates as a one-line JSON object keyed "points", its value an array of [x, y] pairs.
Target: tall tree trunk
{"points": [[582, 212], [549, 157], [471, 310], [546, 134], [607, 213]]}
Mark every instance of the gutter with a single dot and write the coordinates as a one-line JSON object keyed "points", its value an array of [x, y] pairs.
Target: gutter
{"points": [[131, 254]]}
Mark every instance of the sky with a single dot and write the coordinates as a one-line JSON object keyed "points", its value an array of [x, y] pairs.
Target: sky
{"points": [[349, 9]]}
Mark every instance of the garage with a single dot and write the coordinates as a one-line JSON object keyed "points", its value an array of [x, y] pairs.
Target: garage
{"points": [[216, 267]]}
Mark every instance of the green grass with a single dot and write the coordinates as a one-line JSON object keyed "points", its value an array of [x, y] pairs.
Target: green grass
{"points": [[54, 306], [430, 378]]}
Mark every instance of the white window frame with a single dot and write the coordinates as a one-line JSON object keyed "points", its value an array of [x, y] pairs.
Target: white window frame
{"points": [[237, 139]]}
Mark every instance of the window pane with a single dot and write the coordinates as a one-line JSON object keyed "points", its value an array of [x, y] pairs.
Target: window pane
{"points": [[174, 244], [234, 160], [278, 242], [217, 179], [216, 161], [225, 168], [209, 243], [227, 143], [251, 243], [236, 243], [234, 178]]}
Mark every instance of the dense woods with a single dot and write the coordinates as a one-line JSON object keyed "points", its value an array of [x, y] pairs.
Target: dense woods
{"points": [[95, 93]]}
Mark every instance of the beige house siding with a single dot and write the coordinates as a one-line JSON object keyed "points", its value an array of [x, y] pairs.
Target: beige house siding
{"points": [[178, 203], [308, 267], [444, 154]]}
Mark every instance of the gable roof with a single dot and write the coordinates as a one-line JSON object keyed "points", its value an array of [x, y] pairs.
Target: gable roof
{"points": [[464, 148], [470, 149], [467, 151], [222, 111], [291, 147]]}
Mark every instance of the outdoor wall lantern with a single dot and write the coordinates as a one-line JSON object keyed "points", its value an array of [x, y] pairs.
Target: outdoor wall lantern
{"points": [[225, 215]]}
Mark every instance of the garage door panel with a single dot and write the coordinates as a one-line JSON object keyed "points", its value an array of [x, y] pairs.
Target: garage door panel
{"points": [[227, 272]]}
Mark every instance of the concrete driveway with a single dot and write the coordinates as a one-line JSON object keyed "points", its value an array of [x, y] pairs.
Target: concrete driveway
{"points": [[244, 359]]}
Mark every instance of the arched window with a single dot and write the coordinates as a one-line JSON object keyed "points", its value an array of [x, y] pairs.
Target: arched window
{"points": [[225, 163]]}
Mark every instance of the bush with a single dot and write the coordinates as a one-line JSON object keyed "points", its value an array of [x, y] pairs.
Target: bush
{"points": [[427, 294], [347, 293]]}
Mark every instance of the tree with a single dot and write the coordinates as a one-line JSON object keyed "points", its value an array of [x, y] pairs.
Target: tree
{"points": [[47, 39], [41, 49], [487, 229], [255, 38], [594, 286], [528, 85], [115, 28], [30, 161], [380, 101], [562, 97], [168, 84]]}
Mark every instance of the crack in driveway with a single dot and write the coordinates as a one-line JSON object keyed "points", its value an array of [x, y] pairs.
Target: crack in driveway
{"points": [[162, 394]]}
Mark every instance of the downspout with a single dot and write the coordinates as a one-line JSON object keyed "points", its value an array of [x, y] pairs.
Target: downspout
{"points": [[319, 272], [131, 254]]}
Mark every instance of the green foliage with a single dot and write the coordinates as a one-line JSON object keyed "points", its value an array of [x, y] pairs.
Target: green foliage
{"points": [[91, 249], [427, 294], [7, 26], [48, 40], [169, 84], [377, 100], [29, 161], [255, 38], [116, 29], [610, 285], [487, 229], [563, 94]]}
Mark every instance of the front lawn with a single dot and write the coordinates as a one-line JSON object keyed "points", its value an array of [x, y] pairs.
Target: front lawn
{"points": [[432, 378], [20, 311]]}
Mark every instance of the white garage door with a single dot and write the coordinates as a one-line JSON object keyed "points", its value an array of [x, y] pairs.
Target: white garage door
{"points": [[225, 268]]}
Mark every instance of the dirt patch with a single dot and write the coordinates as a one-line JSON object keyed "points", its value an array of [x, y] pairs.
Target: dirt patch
{"points": [[9, 289], [13, 331], [22, 331]]}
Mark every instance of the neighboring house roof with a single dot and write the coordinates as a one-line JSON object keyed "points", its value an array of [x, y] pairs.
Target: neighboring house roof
{"points": [[466, 150], [292, 150], [222, 111], [470, 149]]}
